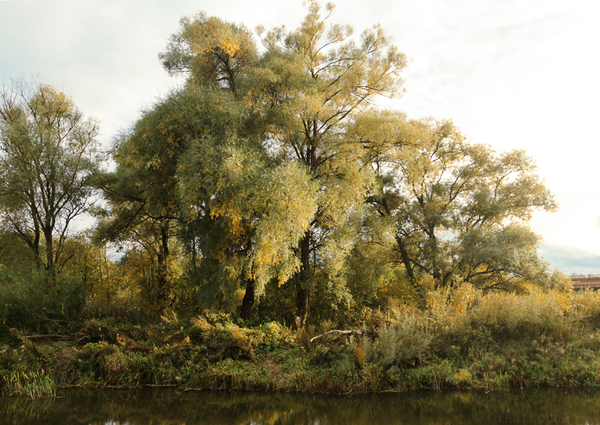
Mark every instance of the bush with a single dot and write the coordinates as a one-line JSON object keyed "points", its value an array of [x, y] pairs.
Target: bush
{"points": [[40, 303], [509, 316], [227, 340], [403, 343]]}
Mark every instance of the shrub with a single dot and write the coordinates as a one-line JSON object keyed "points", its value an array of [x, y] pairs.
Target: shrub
{"points": [[40, 303], [531, 316], [402, 343]]}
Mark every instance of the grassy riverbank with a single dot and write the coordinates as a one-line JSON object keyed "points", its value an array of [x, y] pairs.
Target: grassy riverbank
{"points": [[464, 339]]}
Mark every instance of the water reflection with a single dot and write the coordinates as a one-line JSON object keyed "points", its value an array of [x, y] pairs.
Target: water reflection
{"points": [[173, 407]]}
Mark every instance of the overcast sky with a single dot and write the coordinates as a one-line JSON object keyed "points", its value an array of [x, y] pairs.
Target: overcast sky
{"points": [[510, 73]]}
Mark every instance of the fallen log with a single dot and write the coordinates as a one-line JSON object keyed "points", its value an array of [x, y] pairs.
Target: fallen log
{"points": [[48, 336], [352, 331]]}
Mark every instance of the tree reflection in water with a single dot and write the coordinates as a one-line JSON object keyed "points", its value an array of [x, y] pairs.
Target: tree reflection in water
{"points": [[175, 407]]}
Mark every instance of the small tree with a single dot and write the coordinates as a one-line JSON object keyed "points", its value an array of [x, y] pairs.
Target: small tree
{"points": [[48, 153]]}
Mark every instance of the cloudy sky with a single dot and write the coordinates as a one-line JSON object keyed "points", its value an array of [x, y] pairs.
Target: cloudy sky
{"points": [[510, 73]]}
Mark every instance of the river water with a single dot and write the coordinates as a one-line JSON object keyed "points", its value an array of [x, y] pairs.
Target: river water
{"points": [[175, 407]]}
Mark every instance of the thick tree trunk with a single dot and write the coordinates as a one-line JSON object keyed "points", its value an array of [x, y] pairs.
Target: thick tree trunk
{"points": [[302, 304], [248, 301], [405, 257], [34, 245], [408, 266]]}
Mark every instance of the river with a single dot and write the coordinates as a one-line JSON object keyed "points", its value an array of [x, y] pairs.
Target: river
{"points": [[176, 407]]}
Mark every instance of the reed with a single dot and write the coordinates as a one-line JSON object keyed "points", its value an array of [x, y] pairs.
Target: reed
{"points": [[33, 384]]}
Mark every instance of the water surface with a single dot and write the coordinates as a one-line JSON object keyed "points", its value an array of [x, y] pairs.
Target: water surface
{"points": [[175, 407]]}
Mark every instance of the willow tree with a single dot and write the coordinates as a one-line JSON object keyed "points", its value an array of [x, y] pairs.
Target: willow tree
{"points": [[458, 210], [48, 153], [144, 191], [245, 214], [300, 94], [235, 194], [330, 78]]}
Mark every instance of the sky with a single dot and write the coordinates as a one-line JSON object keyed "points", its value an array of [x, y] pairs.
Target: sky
{"points": [[513, 74]]}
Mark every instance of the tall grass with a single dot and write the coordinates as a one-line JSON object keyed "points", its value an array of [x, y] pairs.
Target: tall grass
{"points": [[463, 338], [467, 339], [33, 384]]}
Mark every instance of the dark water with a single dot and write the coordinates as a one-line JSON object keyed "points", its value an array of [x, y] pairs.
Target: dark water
{"points": [[165, 406]]}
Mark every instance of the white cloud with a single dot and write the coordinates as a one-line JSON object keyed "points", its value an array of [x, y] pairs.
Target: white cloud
{"points": [[571, 260]]}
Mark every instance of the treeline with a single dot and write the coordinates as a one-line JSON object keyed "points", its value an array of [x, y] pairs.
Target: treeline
{"points": [[270, 185]]}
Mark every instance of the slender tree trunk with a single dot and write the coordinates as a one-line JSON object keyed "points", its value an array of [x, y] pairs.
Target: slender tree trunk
{"points": [[302, 283], [163, 266], [248, 301], [49, 250]]}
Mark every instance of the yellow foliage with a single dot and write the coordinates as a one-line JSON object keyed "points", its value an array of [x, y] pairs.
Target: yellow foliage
{"points": [[463, 378], [229, 47], [361, 355]]}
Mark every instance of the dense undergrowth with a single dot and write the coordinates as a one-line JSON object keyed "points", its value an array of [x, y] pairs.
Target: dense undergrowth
{"points": [[463, 339]]}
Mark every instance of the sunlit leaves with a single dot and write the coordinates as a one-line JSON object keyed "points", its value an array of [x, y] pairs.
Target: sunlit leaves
{"points": [[276, 166], [248, 213], [459, 207], [321, 78], [48, 153], [210, 50]]}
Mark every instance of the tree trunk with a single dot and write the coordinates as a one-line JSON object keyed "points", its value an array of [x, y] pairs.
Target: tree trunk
{"points": [[420, 294], [163, 266], [302, 283], [49, 250], [248, 301], [405, 257]]}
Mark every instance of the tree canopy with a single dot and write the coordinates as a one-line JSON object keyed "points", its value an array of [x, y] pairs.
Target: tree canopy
{"points": [[274, 166], [48, 154], [456, 209]]}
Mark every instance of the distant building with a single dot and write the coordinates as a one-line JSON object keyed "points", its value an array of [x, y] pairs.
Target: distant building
{"points": [[585, 281]]}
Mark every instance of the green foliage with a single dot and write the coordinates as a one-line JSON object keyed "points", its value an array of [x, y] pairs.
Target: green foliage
{"points": [[270, 177], [227, 340], [342, 74], [458, 209], [48, 154], [41, 302], [276, 163], [15, 255], [33, 384], [464, 339], [267, 186], [402, 343], [25, 370]]}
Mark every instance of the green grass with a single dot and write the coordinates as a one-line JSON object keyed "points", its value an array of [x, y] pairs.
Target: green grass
{"points": [[463, 340], [34, 384]]}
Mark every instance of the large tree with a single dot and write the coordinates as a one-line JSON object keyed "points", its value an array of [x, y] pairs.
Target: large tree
{"points": [[143, 206], [331, 77], [303, 134], [48, 153], [300, 95], [457, 210], [234, 192]]}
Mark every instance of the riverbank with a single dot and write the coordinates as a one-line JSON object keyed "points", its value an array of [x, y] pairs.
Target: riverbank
{"points": [[463, 340]]}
